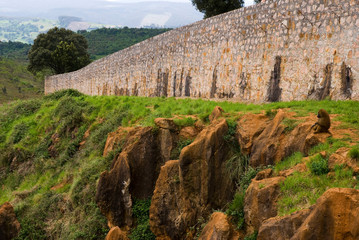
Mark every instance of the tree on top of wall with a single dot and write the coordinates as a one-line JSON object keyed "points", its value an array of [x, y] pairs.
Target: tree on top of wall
{"points": [[59, 50], [212, 8]]}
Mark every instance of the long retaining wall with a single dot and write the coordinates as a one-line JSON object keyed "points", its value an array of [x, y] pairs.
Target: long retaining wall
{"points": [[274, 51]]}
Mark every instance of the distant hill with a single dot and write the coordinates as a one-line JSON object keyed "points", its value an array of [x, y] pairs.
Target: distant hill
{"points": [[105, 41], [16, 82]]}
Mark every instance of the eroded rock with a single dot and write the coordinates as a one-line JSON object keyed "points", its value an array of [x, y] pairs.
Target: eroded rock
{"points": [[9, 225], [260, 201], [216, 113], [340, 157], [133, 175], [282, 228], [165, 210], [116, 234], [219, 227], [334, 216]]}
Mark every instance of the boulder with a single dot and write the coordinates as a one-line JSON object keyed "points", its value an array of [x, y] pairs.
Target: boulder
{"points": [[166, 141], [166, 123], [260, 201], [334, 216], [204, 179], [250, 126], [116, 234], [340, 157], [118, 137], [189, 132], [220, 228], [133, 175], [216, 113], [190, 188], [9, 225], [282, 228], [166, 204], [265, 150]]}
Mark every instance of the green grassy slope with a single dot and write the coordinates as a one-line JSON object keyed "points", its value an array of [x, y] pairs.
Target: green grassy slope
{"points": [[47, 176]]}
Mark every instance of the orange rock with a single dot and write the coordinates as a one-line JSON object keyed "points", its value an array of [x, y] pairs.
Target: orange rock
{"points": [[219, 227], [334, 216], [188, 132], [260, 201], [133, 175], [118, 137], [340, 157], [166, 123], [282, 228], [250, 126], [216, 113], [9, 225], [166, 203], [116, 234]]}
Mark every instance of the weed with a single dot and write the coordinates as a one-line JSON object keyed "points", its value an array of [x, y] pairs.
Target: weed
{"points": [[236, 209], [318, 165], [253, 236], [140, 211], [180, 145], [271, 113], [289, 124]]}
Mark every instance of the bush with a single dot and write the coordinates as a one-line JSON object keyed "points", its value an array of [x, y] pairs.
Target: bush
{"points": [[236, 209], [354, 153], [18, 133], [140, 211], [318, 165], [62, 93]]}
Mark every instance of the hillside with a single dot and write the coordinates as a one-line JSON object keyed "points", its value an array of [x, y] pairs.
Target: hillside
{"points": [[105, 41], [16, 82], [77, 164]]}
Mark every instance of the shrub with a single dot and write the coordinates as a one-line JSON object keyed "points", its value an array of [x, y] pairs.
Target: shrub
{"points": [[180, 145], [18, 133], [318, 165], [140, 211], [354, 153], [236, 209]]}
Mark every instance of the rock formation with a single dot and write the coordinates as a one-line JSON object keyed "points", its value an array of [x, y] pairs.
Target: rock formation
{"points": [[219, 227], [9, 225]]}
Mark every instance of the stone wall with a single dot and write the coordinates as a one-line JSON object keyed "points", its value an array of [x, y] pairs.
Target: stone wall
{"points": [[280, 50]]}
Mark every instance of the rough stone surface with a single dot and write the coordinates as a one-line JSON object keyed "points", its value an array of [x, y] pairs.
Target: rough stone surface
{"points": [[334, 216], [265, 150], [340, 157], [250, 126], [216, 113], [191, 187], [219, 228], [282, 228], [116, 234], [300, 46], [133, 175], [116, 138], [165, 210], [188, 132], [260, 201], [9, 225]]}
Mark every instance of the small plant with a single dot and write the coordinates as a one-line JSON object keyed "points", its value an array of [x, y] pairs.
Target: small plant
{"points": [[236, 209], [252, 236], [354, 153], [318, 165], [180, 145], [140, 211], [271, 113], [289, 124]]}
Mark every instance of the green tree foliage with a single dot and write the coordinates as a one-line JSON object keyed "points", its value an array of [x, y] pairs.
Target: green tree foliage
{"points": [[257, 1], [59, 50], [212, 8], [105, 41], [14, 50]]}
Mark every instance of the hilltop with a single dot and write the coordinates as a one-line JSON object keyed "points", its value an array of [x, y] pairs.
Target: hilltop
{"points": [[78, 164]]}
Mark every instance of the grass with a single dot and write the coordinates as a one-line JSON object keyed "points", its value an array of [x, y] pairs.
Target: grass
{"points": [[42, 137], [289, 162]]}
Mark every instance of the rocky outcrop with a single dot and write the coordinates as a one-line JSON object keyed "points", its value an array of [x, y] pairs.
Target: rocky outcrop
{"points": [[9, 225], [282, 228], [116, 234], [250, 126], [334, 216], [340, 157], [133, 175], [216, 113], [165, 210], [202, 184], [117, 138], [219, 228], [167, 137], [268, 142], [260, 201]]}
